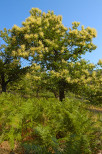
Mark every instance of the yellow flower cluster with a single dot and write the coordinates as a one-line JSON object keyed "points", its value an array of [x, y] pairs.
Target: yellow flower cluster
{"points": [[94, 74], [26, 36], [35, 11], [36, 78], [30, 19], [13, 53], [28, 75], [23, 47], [81, 43], [91, 65], [64, 73], [92, 31], [82, 79], [41, 34], [78, 63], [19, 52], [14, 39], [32, 48], [64, 62], [75, 80], [44, 14], [46, 49], [55, 74], [58, 31], [15, 27], [100, 62], [31, 36], [89, 46], [59, 18], [75, 24], [40, 56], [40, 43], [38, 22], [62, 51], [89, 79], [82, 27], [48, 41], [86, 72], [18, 29], [35, 67], [68, 79], [35, 36], [71, 64], [25, 54], [75, 32]]}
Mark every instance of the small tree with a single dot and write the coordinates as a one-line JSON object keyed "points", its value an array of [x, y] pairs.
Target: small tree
{"points": [[30, 83], [10, 67], [95, 95], [44, 39]]}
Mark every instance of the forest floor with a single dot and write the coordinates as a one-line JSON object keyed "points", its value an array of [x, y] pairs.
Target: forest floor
{"points": [[95, 109], [5, 148]]}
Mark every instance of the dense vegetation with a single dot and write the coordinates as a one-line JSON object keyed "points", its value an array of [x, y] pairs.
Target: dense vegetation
{"points": [[44, 105], [46, 126]]}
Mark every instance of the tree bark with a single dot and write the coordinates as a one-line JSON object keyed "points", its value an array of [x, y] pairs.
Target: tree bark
{"points": [[3, 83], [3, 87], [61, 90], [37, 93], [61, 94]]}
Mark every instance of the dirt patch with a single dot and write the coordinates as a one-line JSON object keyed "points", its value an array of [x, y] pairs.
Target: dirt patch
{"points": [[95, 109], [5, 148]]}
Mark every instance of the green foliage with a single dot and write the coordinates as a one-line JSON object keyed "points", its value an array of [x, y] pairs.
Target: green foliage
{"points": [[91, 89], [10, 67], [54, 52], [96, 85], [47, 125], [44, 40]]}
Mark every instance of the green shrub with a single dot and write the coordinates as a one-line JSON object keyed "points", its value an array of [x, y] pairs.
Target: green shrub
{"points": [[47, 125]]}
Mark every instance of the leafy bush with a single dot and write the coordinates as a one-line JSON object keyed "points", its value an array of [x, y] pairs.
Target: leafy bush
{"points": [[47, 125]]}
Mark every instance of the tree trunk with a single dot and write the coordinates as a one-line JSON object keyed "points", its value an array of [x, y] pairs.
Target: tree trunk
{"points": [[3, 83], [37, 93], [61, 94], [61, 90], [3, 87]]}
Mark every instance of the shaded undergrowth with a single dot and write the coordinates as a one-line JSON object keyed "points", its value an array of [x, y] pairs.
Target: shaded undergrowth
{"points": [[48, 126]]}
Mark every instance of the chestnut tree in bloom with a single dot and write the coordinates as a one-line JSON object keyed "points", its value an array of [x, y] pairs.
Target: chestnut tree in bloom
{"points": [[44, 40], [10, 67]]}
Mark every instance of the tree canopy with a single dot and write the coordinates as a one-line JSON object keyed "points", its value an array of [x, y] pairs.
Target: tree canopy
{"points": [[44, 40], [10, 66]]}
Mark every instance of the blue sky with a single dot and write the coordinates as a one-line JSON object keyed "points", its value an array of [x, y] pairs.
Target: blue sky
{"points": [[87, 12]]}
